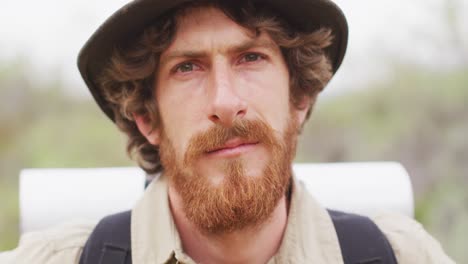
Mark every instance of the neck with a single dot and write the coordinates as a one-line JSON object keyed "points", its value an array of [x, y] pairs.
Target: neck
{"points": [[256, 245]]}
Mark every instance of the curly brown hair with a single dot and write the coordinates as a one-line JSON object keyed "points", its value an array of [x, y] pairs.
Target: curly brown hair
{"points": [[128, 80]]}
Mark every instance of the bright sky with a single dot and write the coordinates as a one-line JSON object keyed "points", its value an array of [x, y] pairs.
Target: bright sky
{"points": [[51, 32]]}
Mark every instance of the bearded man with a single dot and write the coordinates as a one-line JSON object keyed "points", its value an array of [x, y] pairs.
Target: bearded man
{"points": [[213, 94]]}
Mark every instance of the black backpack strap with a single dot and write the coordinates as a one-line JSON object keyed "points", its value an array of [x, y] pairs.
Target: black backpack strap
{"points": [[109, 243], [361, 241]]}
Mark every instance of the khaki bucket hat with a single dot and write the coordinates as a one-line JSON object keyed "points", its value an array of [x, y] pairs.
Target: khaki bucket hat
{"points": [[306, 15]]}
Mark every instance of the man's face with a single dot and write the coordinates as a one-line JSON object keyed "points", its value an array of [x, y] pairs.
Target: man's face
{"points": [[228, 131]]}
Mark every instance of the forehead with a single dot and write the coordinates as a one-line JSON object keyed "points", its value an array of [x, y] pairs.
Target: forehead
{"points": [[205, 25]]}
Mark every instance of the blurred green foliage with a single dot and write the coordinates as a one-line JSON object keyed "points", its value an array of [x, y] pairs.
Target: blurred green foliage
{"points": [[42, 127], [418, 117]]}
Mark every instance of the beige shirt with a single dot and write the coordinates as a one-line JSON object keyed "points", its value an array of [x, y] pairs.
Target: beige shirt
{"points": [[309, 238]]}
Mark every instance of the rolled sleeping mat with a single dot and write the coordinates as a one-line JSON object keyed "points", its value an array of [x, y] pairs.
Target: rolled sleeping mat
{"points": [[53, 196]]}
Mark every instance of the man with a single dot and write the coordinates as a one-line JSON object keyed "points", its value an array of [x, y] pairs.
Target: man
{"points": [[213, 94]]}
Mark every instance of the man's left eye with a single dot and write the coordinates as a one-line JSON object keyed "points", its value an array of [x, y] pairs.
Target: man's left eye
{"points": [[250, 57]]}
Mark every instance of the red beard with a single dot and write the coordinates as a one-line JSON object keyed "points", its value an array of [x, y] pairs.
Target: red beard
{"points": [[240, 201]]}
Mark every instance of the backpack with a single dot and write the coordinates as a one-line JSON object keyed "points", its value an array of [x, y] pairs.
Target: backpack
{"points": [[360, 239]]}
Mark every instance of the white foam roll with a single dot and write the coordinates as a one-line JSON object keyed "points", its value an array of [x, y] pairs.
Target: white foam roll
{"points": [[365, 188], [52, 196]]}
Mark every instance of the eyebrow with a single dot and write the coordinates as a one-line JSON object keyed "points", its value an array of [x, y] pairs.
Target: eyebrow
{"points": [[238, 48]]}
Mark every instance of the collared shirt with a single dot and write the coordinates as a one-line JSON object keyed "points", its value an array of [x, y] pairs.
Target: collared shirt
{"points": [[309, 237]]}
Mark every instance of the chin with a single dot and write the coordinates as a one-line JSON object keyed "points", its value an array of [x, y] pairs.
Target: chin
{"points": [[219, 172]]}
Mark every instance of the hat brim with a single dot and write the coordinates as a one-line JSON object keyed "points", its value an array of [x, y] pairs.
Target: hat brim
{"points": [[306, 15]]}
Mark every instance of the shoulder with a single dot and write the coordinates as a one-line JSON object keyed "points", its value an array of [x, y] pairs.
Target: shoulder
{"points": [[410, 242], [61, 244]]}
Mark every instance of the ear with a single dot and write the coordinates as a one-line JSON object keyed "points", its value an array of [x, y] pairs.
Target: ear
{"points": [[143, 122], [302, 108]]}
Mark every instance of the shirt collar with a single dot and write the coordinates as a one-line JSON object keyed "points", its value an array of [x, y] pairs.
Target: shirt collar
{"points": [[310, 236], [154, 235]]}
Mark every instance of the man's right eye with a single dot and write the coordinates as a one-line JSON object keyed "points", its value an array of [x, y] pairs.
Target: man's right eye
{"points": [[185, 67]]}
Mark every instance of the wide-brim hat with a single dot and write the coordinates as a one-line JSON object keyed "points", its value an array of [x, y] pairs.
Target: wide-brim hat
{"points": [[306, 15]]}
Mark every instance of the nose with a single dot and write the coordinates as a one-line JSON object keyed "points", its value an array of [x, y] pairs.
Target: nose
{"points": [[226, 104]]}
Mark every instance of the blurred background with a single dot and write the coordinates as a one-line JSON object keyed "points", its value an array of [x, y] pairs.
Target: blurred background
{"points": [[401, 95]]}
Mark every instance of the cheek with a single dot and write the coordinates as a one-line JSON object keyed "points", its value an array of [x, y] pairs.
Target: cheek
{"points": [[176, 134], [180, 114], [268, 96]]}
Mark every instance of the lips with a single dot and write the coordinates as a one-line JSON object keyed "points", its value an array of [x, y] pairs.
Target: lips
{"points": [[232, 145]]}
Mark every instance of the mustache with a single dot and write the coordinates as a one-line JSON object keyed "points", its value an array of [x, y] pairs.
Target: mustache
{"points": [[217, 136]]}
